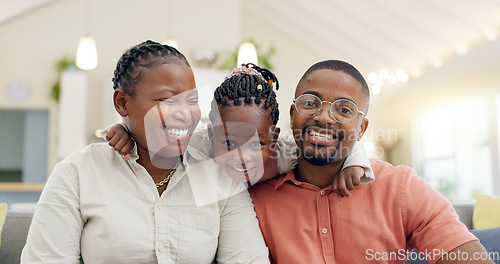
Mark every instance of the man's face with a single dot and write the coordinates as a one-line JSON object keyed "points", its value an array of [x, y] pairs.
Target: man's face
{"points": [[321, 139]]}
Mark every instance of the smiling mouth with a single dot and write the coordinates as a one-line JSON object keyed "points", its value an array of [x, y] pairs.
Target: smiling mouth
{"points": [[239, 169], [176, 131], [320, 135]]}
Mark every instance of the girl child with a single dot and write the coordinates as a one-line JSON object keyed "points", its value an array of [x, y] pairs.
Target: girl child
{"points": [[99, 208], [243, 137]]}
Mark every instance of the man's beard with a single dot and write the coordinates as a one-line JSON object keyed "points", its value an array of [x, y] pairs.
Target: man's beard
{"points": [[318, 158]]}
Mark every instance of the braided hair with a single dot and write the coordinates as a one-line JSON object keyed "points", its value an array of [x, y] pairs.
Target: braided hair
{"points": [[248, 85], [146, 55]]}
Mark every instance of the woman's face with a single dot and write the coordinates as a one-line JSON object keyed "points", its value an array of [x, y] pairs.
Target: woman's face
{"points": [[164, 112], [242, 142]]}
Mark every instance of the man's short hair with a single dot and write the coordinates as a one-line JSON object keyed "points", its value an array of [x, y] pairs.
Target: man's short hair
{"points": [[337, 65]]}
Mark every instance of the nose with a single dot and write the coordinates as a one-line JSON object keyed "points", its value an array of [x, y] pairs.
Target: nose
{"points": [[248, 156], [178, 112], [324, 116], [182, 112]]}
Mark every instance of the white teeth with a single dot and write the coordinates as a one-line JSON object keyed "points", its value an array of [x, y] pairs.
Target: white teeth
{"points": [[237, 169], [319, 135], [177, 132]]}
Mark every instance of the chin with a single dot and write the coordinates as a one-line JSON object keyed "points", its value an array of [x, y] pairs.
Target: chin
{"points": [[167, 152], [319, 158]]}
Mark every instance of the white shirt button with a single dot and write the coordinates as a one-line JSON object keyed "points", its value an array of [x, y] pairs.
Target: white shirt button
{"points": [[161, 248], [322, 192], [158, 206], [324, 230]]}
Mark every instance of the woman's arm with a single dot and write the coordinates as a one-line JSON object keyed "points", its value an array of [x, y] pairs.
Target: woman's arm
{"points": [[55, 232]]}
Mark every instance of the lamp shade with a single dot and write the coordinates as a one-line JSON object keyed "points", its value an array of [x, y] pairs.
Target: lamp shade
{"points": [[171, 42], [86, 54], [247, 53]]}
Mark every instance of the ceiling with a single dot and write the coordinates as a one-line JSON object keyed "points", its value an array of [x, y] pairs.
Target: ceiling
{"points": [[10, 9], [412, 35]]}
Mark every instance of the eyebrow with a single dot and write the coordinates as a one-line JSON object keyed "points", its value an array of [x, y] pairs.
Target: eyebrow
{"points": [[165, 90], [192, 92], [261, 135], [229, 134], [314, 93]]}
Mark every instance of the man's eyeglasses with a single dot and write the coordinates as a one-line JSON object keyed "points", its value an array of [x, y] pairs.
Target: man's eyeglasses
{"points": [[341, 110]]}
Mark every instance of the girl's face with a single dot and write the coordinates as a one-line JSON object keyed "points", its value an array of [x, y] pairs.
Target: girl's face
{"points": [[164, 112], [242, 142]]}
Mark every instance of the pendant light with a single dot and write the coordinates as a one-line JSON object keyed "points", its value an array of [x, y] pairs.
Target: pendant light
{"points": [[86, 53], [169, 40], [247, 53]]}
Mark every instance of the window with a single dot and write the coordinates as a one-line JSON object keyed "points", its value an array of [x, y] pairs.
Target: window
{"points": [[455, 149], [23, 145]]}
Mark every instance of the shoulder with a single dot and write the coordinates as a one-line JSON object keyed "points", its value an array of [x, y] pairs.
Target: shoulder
{"points": [[385, 172], [263, 190], [93, 154], [384, 168], [94, 151], [85, 161], [403, 181]]}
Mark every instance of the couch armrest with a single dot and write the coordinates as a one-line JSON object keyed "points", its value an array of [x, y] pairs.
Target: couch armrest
{"points": [[14, 234], [465, 212]]}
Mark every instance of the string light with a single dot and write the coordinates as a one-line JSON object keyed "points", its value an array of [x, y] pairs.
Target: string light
{"points": [[385, 77]]}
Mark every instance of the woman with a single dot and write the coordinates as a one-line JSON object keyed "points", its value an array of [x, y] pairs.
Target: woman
{"points": [[103, 209]]}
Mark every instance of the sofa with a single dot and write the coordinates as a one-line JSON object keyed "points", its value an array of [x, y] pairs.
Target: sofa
{"points": [[17, 225], [14, 234], [490, 238]]}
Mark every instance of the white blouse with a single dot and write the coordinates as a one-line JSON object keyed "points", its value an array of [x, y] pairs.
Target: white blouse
{"points": [[104, 209]]}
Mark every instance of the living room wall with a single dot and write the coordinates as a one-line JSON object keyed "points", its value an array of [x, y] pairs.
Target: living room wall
{"points": [[34, 42]]}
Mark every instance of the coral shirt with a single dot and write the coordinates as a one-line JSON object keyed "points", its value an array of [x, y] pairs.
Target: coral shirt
{"points": [[379, 223]]}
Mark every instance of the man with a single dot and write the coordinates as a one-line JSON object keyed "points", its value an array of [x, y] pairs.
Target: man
{"points": [[303, 221]]}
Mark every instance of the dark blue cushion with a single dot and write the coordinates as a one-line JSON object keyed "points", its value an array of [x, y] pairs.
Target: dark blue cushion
{"points": [[490, 238]]}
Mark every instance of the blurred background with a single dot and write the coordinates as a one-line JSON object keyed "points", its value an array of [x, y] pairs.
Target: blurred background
{"points": [[433, 67]]}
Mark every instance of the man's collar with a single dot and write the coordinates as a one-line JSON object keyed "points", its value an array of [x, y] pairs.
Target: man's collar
{"points": [[290, 176]]}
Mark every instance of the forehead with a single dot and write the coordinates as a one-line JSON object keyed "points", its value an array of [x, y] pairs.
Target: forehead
{"points": [[254, 115], [171, 74], [330, 85]]}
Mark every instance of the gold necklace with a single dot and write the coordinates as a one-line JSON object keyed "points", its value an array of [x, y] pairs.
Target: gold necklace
{"points": [[168, 177]]}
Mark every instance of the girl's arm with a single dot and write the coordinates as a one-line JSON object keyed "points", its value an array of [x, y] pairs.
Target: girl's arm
{"points": [[240, 238], [358, 158], [356, 169], [119, 138]]}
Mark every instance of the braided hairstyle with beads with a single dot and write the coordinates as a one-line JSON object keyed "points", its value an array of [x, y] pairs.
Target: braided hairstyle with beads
{"points": [[246, 88], [146, 55]]}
